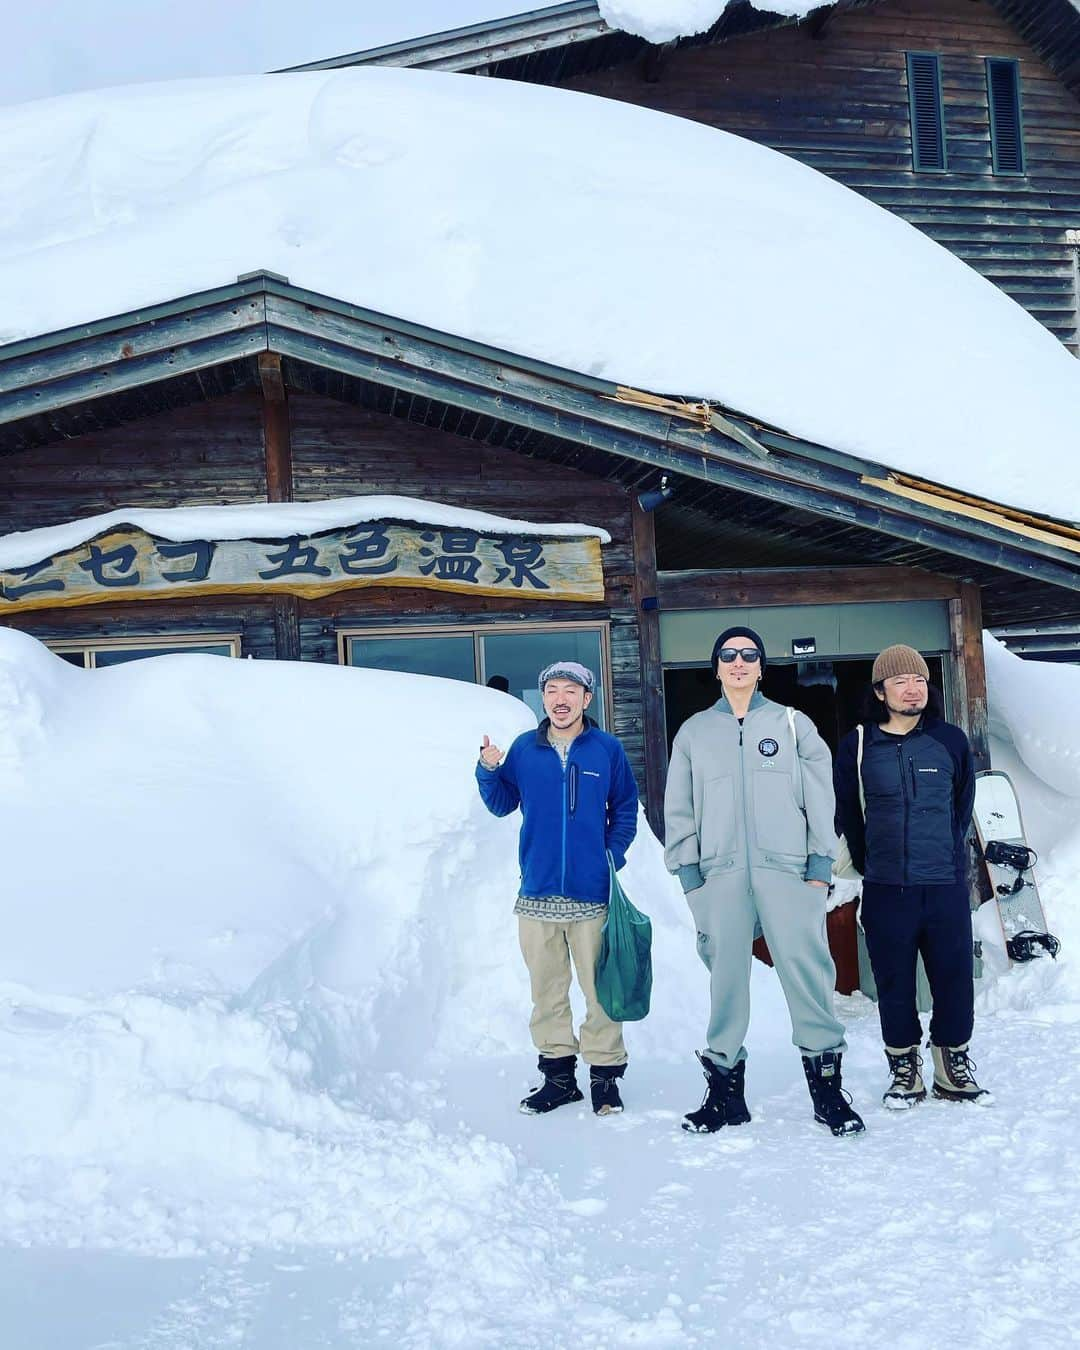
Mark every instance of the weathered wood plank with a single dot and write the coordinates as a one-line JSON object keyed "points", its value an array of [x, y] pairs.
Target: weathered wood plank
{"points": [[654, 728], [840, 104], [801, 586]]}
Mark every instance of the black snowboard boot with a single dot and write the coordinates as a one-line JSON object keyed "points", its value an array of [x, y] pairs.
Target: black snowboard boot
{"points": [[832, 1105], [604, 1086], [724, 1104], [559, 1087], [907, 1088]]}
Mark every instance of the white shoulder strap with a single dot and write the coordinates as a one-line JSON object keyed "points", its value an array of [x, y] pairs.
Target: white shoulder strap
{"points": [[795, 741], [858, 772]]}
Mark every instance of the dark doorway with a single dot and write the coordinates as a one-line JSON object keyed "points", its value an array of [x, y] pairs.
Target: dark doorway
{"points": [[829, 692]]}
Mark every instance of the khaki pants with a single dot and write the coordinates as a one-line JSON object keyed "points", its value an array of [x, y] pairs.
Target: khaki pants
{"points": [[547, 949]]}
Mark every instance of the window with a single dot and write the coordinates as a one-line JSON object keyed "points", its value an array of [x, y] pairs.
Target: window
{"points": [[1006, 126], [489, 655], [927, 112], [95, 654]]}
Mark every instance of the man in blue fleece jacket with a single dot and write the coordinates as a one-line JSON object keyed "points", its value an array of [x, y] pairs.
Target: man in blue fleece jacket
{"points": [[578, 802]]}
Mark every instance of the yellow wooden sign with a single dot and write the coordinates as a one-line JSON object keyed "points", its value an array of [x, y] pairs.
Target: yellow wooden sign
{"points": [[128, 564]]}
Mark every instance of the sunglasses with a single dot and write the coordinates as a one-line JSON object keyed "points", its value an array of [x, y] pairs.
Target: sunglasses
{"points": [[748, 654]]}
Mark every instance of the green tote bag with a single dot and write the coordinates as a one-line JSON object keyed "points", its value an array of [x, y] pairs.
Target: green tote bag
{"points": [[624, 966]]}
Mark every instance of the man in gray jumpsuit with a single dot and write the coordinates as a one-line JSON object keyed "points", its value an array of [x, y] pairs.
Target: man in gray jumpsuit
{"points": [[749, 827]]}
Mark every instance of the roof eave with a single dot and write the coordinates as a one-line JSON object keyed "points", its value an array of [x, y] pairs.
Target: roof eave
{"points": [[264, 312]]}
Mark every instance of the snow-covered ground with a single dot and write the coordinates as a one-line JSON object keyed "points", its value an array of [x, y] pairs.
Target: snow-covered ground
{"points": [[512, 214], [263, 1034]]}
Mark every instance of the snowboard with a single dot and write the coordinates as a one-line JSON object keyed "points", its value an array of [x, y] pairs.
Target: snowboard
{"points": [[1009, 861]]}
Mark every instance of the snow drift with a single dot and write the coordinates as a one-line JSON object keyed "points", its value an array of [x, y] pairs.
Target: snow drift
{"points": [[268, 520], [248, 907], [513, 214], [665, 20]]}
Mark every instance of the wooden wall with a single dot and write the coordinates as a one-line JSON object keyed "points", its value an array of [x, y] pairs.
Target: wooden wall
{"points": [[340, 450], [840, 104], [214, 453], [204, 455]]}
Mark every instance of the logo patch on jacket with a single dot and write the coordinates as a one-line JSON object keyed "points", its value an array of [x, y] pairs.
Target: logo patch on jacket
{"points": [[768, 747]]}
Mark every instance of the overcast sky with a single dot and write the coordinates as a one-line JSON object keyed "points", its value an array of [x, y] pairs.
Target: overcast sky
{"points": [[60, 46]]}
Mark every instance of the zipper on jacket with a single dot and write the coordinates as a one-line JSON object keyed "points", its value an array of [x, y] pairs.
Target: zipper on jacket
{"points": [[566, 790], [745, 815], [904, 790]]}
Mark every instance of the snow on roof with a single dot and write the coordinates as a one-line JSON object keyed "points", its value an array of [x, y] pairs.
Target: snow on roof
{"points": [[268, 520], [620, 242], [665, 20]]}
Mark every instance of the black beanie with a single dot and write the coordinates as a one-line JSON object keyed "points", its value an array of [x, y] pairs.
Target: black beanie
{"points": [[726, 636]]}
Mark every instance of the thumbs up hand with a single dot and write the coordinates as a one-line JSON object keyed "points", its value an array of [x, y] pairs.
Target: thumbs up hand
{"points": [[490, 755]]}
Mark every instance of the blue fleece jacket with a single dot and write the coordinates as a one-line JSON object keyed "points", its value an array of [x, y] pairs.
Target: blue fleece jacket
{"points": [[571, 817]]}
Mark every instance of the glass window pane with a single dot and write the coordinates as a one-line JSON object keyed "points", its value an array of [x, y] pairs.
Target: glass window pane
{"points": [[118, 656], [450, 656], [73, 658], [520, 657]]}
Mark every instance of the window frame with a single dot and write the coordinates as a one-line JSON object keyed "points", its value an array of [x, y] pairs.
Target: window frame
{"points": [[1008, 62], [916, 164], [478, 632], [91, 646]]}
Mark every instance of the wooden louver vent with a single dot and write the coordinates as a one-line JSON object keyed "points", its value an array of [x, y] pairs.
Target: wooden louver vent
{"points": [[927, 111], [1006, 128]]}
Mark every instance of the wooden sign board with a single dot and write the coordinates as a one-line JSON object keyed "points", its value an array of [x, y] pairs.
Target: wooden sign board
{"points": [[128, 564]]}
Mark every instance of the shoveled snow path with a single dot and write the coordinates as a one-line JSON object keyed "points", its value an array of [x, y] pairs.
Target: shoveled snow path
{"points": [[627, 1232]]}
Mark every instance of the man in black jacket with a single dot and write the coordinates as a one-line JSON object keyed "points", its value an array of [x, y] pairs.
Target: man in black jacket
{"points": [[909, 842]]}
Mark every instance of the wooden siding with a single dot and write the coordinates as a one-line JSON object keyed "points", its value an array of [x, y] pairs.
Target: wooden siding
{"points": [[214, 453], [253, 621], [840, 104], [202, 455], [342, 450]]}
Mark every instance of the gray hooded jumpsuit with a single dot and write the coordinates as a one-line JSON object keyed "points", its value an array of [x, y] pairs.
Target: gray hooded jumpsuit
{"points": [[749, 822]]}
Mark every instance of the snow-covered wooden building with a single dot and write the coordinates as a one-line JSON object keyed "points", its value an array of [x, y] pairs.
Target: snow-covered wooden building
{"points": [[961, 116], [815, 471]]}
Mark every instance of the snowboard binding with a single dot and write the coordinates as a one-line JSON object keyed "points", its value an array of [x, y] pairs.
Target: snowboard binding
{"points": [[1026, 946]]}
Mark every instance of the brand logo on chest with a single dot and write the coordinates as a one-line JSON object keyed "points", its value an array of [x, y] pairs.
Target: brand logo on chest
{"points": [[768, 747]]}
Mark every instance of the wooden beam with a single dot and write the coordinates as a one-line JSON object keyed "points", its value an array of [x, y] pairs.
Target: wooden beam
{"points": [[801, 586], [129, 372], [568, 413], [277, 432], [287, 628], [654, 719], [968, 670]]}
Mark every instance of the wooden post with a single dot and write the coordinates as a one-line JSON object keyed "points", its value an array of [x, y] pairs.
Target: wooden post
{"points": [[967, 670], [968, 673], [654, 724], [277, 451], [277, 440]]}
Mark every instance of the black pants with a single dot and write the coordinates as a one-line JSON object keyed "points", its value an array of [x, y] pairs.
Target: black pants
{"points": [[902, 921]]}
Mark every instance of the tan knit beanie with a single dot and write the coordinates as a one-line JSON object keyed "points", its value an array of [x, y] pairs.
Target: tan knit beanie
{"points": [[899, 660]]}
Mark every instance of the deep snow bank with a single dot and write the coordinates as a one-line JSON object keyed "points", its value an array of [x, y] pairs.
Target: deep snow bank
{"points": [[448, 200], [663, 20], [246, 908], [1035, 738]]}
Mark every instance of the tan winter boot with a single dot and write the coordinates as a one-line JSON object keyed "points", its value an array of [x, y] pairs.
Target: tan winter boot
{"points": [[954, 1077], [907, 1087]]}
